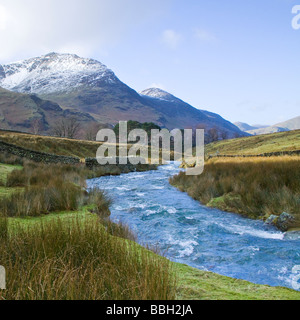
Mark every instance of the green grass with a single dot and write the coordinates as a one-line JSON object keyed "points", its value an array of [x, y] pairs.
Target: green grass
{"points": [[65, 216], [6, 192], [5, 169], [282, 141], [194, 284], [191, 284]]}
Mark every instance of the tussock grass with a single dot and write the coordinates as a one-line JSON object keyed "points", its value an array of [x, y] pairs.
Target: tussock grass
{"points": [[38, 174], [41, 189], [80, 261], [10, 159], [254, 187]]}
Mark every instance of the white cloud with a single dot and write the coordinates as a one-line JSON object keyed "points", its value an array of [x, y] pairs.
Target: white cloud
{"points": [[4, 17], [204, 35], [171, 38], [86, 27]]}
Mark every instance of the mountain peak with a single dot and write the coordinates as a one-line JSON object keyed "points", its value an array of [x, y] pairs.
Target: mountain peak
{"points": [[158, 94], [53, 72]]}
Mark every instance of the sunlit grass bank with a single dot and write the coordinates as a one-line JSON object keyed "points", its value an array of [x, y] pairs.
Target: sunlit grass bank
{"points": [[254, 187], [194, 284], [275, 142]]}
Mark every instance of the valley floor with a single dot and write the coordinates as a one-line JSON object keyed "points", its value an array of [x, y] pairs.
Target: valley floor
{"points": [[191, 284]]}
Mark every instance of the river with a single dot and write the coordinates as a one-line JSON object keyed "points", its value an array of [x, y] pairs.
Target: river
{"points": [[204, 238]]}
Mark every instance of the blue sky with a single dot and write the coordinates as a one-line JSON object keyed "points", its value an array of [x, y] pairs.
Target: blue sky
{"points": [[238, 58]]}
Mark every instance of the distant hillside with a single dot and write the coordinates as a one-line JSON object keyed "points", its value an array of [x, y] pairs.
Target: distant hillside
{"points": [[91, 88], [283, 141], [246, 127], [268, 130], [59, 146], [293, 124], [29, 113]]}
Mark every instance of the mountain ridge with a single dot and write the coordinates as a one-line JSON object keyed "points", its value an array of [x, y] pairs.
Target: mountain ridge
{"points": [[31, 75], [291, 124]]}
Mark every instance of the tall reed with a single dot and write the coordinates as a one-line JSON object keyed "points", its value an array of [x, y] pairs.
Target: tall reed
{"points": [[81, 261]]}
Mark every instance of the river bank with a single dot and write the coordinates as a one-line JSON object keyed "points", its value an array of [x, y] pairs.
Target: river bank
{"points": [[256, 188], [191, 283]]}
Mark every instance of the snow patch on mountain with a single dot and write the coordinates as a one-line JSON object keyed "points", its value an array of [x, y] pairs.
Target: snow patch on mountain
{"points": [[54, 73], [158, 94]]}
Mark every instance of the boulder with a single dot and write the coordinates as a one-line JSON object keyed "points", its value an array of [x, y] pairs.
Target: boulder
{"points": [[285, 221], [282, 222]]}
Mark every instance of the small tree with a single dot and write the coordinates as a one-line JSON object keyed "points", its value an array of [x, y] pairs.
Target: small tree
{"points": [[37, 125], [67, 128], [213, 135], [92, 130], [224, 135]]}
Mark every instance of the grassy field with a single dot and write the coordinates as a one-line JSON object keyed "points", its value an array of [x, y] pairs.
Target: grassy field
{"points": [[76, 255], [194, 284], [283, 141]]}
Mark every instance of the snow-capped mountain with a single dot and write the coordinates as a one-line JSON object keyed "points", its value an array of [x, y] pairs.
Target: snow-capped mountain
{"points": [[158, 94], [90, 88], [182, 114], [53, 73]]}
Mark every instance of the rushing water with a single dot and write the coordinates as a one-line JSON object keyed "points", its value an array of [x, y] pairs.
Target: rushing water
{"points": [[204, 238]]}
